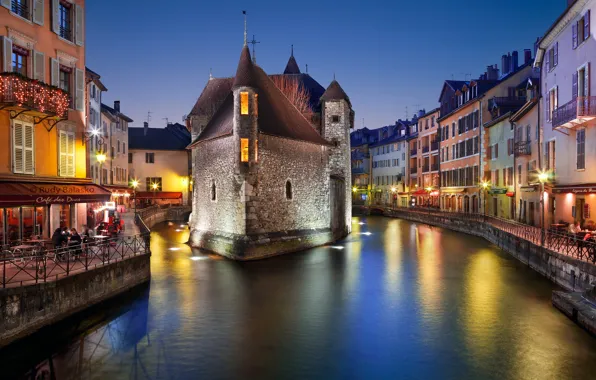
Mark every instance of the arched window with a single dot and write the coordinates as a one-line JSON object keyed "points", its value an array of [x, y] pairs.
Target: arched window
{"points": [[213, 192], [289, 194]]}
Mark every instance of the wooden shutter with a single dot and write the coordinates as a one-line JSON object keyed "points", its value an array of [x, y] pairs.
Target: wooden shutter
{"points": [[548, 106], [79, 25], [587, 25], [29, 136], [586, 80], [574, 35], [5, 3], [55, 71], [547, 63], [18, 148], [38, 11], [70, 159], [39, 67], [556, 55], [56, 16], [497, 150], [62, 165], [574, 85], [6, 54], [80, 90], [489, 152]]}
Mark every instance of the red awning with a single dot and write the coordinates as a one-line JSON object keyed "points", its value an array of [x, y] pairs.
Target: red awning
{"points": [[159, 195], [420, 192], [510, 193], [39, 194]]}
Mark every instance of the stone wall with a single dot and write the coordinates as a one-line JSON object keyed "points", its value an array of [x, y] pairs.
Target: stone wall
{"points": [[568, 272], [301, 163], [24, 310]]}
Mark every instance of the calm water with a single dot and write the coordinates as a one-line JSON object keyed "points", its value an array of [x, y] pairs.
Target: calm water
{"points": [[395, 300]]}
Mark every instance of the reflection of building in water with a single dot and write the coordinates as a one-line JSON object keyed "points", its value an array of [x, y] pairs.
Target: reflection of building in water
{"points": [[121, 346]]}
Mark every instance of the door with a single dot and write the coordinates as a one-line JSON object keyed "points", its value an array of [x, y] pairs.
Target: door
{"points": [[579, 210], [495, 205], [531, 219], [337, 206]]}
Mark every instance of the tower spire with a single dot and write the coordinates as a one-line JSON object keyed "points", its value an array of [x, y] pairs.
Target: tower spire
{"points": [[245, 41], [292, 51], [253, 43]]}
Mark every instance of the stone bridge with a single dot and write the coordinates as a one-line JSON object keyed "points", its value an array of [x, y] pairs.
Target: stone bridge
{"points": [[154, 214]]}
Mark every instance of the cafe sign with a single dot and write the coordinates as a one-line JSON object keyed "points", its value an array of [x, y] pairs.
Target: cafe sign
{"points": [[40, 194], [575, 190]]}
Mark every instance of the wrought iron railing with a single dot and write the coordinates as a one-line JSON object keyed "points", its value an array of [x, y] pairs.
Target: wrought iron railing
{"points": [[66, 33], [425, 168], [580, 107], [21, 8], [434, 145], [21, 91], [413, 170], [413, 152], [35, 264], [425, 149], [434, 167]]}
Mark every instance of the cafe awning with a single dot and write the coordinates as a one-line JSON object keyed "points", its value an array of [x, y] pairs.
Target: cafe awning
{"points": [[528, 189], [159, 195], [497, 190], [575, 189], [39, 194], [420, 192]]}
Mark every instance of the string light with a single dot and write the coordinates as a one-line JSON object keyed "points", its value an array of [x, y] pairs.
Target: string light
{"points": [[24, 91]]}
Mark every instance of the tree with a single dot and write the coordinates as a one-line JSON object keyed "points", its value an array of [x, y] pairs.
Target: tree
{"points": [[295, 93]]}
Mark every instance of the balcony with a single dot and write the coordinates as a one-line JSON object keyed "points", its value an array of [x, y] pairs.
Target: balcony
{"points": [[413, 152], [425, 149], [522, 148], [506, 102], [434, 145], [413, 170], [575, 113], [425, 168], [434, 167], [21, 95]]}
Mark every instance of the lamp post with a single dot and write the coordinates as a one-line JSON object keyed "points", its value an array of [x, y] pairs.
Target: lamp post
{"points": [[542, 177], [485, 186], [154, 187], [101, 158], [393, 197], [134, 184]]}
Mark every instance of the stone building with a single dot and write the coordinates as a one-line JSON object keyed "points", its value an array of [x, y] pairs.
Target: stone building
{"points": [[268, 178]]}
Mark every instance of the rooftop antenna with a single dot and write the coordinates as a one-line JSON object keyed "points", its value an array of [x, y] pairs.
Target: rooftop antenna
{"points": [[292, 51], [244, 13], [362, 122], [467, 75], [167, 120], [210, 73], [149, 116], [406, 112], [307, 68], [451, 76], [253, 43]]}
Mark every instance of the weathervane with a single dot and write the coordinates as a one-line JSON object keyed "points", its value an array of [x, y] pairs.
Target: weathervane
{"points": [[253, 43]]}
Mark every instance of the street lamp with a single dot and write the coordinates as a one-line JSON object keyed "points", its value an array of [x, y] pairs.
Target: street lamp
{"points": [[485, 186], [134, 184], [542, 177], [101, 158]]}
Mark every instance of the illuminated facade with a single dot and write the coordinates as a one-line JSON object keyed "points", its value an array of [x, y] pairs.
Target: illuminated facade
{"points": [[427, 191], [269, 178]]}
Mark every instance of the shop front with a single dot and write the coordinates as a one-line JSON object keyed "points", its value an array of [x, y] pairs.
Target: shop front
{"points": [[36, 209], [528, 207], [148, 198], [122, 197], [572, 203]]}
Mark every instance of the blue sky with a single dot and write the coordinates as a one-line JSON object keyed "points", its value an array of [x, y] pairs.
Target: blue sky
{"points": [[387, 55]]}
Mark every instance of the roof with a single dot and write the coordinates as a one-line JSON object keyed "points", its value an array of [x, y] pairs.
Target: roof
{"points": [[95, 77], [314, 89], [544, 41], [114, 113], [524, 110], [171, 137], [292, 66], [497, 120], [213, 95], [277, 115], [335, 92]]}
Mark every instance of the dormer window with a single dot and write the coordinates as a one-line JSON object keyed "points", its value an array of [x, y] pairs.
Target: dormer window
{"points": [[244, 103]]}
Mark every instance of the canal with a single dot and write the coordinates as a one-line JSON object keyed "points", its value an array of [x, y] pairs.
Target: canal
{"points": [[395, 300]]}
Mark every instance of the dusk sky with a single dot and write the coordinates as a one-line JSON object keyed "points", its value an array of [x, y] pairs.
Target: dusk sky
{"points": [[387, 55]]}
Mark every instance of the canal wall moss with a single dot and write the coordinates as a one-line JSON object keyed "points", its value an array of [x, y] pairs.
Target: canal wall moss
{"points": [[565, 271], [26, 309]]}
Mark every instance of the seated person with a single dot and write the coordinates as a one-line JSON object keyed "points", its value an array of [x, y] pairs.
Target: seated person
{"points": [[590, 225], [574, 227]]}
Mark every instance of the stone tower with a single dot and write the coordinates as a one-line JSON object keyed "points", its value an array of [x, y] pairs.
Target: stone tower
{"points": [[336, 120]]}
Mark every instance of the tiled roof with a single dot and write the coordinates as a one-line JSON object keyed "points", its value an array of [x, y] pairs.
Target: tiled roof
{"points": [[277, 115], [314, 89], [115, 113], [212, 97], [95, 77], [171, 137], [292, 66], [335, 92]]}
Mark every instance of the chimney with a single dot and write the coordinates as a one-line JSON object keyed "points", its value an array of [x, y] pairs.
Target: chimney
{"points": [[145, 128], [527, 56], [421, 113], [515, 60], [492, 72], [117, 105], [505, 64]]}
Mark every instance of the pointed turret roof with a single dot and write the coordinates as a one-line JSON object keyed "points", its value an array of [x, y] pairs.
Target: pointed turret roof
{"points": [[335, 92], [292, 66], [277, 115]]}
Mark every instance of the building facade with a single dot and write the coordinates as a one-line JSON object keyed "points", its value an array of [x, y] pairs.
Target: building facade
{"points": [[413, 160], [43, 167], [568, 114], [427, 192], [388, 165], [267, 178], [360, 142], [159, 159], [95, 132]]}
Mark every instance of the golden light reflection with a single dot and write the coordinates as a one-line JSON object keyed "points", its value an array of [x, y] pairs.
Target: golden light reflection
{"points": [[430, 253], [482, 298], [392, 245]]}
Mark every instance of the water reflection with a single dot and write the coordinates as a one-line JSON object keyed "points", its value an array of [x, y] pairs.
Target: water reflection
{"points": [[405, 301]]}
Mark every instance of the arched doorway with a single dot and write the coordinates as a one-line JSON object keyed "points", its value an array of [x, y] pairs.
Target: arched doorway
{"points": [[466, 204], [475, 204]]}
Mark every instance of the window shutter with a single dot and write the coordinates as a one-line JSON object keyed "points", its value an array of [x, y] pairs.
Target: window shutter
{"points": [[574, 35], [56, 16], [39, 68], [70, 164], [548, 106], [587, 25], [497, 150], [6, 54], [63, 153], [556, 55], [489, 152], [586, 80], [574, 85], [17, 148], [547, 60], [80, 92], [55, 71], [29, 164], [5, 3], [79, 25], [38, 11]]}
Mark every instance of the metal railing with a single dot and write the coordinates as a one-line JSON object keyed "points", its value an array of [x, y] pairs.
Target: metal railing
{"points": [[20, 8], [434, 167], [580, 107], [434, 145], [21, 267], [425, 168], [413, 170], [573, 245], [24, 92], [413, 152], [425, 149], [66, 33]]}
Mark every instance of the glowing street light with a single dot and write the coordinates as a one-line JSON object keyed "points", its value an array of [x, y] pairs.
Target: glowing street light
{"points": [[354, 189], [542, 177], [101, 158], [134, 184]]}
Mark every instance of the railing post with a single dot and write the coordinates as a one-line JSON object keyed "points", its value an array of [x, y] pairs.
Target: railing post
{"points": [[67, 263]]}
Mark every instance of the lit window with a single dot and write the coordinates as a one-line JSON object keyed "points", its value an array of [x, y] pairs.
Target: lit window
{"points": [[244, 103], [244, 150], [256, 150]]}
